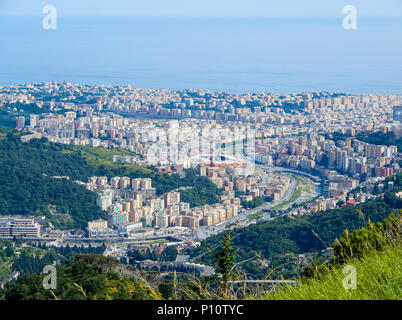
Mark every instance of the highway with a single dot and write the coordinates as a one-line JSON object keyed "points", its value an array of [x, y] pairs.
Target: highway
{"points": [[242, 220]]}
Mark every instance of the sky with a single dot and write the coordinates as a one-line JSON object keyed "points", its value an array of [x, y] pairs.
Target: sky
{"points": [[205, 8], [299, 45]]}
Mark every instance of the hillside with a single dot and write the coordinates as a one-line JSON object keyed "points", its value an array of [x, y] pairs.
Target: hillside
{"points": [[297, 234], [31, 184], [379, 277], [29, 258], [87, 277], [374, 251], [375, 255], [379, 138]]}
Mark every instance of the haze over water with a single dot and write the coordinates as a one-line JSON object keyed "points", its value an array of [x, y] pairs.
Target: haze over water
{"points": [[238, 55]]}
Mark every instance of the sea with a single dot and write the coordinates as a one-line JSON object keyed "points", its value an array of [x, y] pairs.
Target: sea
{"points": [[231, 55]]}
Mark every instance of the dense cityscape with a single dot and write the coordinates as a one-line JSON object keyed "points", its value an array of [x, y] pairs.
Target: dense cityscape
{"points": [[268, 156]]}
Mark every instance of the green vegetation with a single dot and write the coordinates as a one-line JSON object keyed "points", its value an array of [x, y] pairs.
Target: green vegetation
{"points": [[374, 251], [224, 260], [378, 278], [100, 160], [289, 107], [31, 257], [256, 215], [379, 138], [302, 186], [202, 191], [168, 254], [28, 186], [256, 202], [29, 171], [296, 235], [87, 277], [296, 194], [6, 258], [34, 259], [10, 111], [376, 254], [6, 118], [336, 136]]}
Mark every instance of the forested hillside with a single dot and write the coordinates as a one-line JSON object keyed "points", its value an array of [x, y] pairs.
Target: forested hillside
{"points": [[87, 277], [31, 184], [27, 258], [100, 163], [28, 186], [379, 138], [374, 251]]}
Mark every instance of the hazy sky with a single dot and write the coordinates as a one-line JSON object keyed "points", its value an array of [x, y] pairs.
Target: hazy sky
{"points": [[205, 8]]}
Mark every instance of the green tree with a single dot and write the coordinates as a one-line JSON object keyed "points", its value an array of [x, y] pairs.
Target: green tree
{"points": [[224, 259]]}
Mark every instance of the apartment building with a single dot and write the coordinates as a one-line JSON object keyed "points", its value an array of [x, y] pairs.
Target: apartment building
{"points": [[19, 227]]}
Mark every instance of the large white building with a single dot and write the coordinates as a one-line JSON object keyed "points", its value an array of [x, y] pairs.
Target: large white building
{"points": [[19, 227], [104, 201]]}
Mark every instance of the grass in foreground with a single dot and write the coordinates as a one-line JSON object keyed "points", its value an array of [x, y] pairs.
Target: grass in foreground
{"points": [[379, 277]]}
